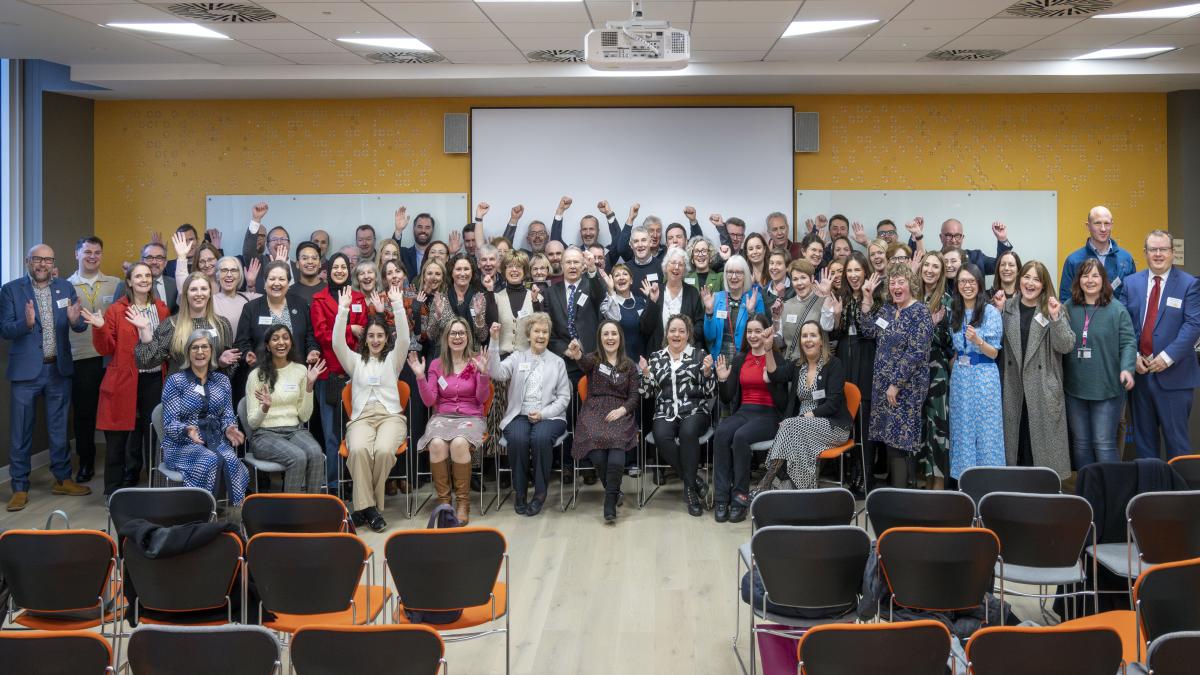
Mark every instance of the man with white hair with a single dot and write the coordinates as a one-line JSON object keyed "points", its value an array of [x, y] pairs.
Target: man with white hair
{"points": [[1118, 263]]}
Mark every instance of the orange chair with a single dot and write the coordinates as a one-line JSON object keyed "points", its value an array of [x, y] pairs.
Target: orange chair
{"points": [[1044, 650], [343, 452], [853, 401], [910, 647], [1188, 467]]}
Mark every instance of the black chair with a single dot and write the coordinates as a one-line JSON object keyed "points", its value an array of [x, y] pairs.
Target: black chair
{"points": [[899, 507], [1174, 654], [289, 512], [1161, 527], [799, 508], [367, 650], [938, 569], [810, 568], [203, 650], [1044, 650], [60, 579], [912, 648], [209, 573], [55, 652], [1166, 600], [978, 481], [1188, 468], [167, 507], [1042, 537]]}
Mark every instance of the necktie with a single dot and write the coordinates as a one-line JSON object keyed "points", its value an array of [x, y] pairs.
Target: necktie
{"points": [[572, 296], [1146, 341]]}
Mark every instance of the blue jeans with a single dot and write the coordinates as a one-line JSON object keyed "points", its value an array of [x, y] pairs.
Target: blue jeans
{"points": [[1094, 429], [331, 418], [525, 439], [57, 390]]}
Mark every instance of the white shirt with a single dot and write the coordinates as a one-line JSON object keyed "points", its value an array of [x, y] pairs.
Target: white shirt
{"points": [[531, 401], [160, 290], [1162, 288], [671, 306], [567, 288]]}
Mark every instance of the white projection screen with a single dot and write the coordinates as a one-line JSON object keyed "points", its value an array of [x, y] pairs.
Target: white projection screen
{"points": [[732, 161]]}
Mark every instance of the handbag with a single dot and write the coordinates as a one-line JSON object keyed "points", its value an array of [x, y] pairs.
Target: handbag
{"points": [[333, 389]]}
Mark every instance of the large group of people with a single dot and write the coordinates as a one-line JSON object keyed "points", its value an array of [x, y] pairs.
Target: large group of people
{"points": [[567, 354]]}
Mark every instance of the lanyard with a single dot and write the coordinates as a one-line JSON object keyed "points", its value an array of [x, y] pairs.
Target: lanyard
{"points": [[1087, 320], [91, 297]]}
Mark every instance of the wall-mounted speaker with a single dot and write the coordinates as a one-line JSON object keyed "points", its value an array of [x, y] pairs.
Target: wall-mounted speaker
{"points": [[807, 131], [455, 134]]}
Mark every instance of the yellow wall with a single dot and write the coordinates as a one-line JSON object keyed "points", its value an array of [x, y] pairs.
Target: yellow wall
{"points": [[156, 160]]}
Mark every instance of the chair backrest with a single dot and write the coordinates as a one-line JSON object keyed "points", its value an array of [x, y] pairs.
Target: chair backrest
{"points": [[1038, 530], [1165, 525], [54, 652], [403, 392], [978, 481], [302, 573], [1166, 598], [243, 416], [1044, 650], [209, 573], [1188, 468], [57, 570], [156, 421], [291, 512], [581, 387], [347, 401], [811, 567], [853, 398], [911, 647], [203, 650], [1174, 653], [938, 569], [445, 569], [367, 650], [826, 506], [162, 506], [898, 507]]}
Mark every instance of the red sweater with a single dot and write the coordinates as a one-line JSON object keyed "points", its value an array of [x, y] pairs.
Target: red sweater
{"points": [[754, 389], [324, 312]]}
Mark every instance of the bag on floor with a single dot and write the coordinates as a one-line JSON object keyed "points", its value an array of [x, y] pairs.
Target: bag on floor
{"points": [[777, 653], [442, 517]]}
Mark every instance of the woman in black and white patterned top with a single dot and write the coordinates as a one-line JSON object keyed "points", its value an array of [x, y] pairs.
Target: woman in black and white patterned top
{"points": [[681, 379]]}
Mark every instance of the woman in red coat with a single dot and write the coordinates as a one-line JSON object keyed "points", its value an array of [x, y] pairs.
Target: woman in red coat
{"points": [[123, 416], [329, 387]]}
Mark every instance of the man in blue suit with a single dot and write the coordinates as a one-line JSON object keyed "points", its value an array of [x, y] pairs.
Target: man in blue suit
{"points": [[1164, 304], [35, 313]]}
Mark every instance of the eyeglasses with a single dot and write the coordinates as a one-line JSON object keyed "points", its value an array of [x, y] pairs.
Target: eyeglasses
{"points": [[899, 258], [955, 237], [1156, 249], [229, 270], [886, 234], [152, 258], [968, 282], [40, 260], [458, 333], [201, 348]]}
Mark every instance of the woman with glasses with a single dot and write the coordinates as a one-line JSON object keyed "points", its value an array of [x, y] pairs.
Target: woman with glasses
{"points": [[166, 341], [976, 424], [726, 312], [701, 257]]}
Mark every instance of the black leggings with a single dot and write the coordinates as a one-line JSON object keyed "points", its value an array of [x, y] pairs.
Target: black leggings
{"points": [[731, 450], [610, 465], [678, 442]]}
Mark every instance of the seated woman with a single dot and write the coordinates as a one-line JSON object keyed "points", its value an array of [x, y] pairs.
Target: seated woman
{"points": [[455, 388], [816, 418], [279, 400], [377, 424], [538, 395], [199, 425], [679, 377], [606, 428], [755, 404]]}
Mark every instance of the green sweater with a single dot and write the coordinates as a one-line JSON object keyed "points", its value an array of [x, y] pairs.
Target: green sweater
{"points": [[1114, 348]]}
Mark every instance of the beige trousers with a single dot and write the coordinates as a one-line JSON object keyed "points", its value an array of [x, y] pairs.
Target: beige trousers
{"points": [[372, 440]]}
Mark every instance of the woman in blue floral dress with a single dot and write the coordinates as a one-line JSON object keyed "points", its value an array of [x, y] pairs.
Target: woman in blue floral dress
{"points": [[976, 416]]}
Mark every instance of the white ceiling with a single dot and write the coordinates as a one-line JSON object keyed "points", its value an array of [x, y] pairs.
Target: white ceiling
{"points": [[736, 48]]}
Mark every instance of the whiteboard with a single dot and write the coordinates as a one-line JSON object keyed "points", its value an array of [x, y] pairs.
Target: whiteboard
{"points": [[732, 161], [339, 215], [1031, 215]]}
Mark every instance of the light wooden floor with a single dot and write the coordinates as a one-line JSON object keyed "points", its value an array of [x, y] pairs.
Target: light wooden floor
{"points": [[653, 593]]}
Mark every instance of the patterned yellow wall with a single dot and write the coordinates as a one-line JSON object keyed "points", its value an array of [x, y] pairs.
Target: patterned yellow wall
{"points": [[156, 160]]}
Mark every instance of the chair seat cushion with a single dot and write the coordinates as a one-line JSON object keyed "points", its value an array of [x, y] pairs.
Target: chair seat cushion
{"points": [[744, 553], [264, 465], [1123, 621], [1115, 558], [471, 616], [1042, 576], [356, 614]]}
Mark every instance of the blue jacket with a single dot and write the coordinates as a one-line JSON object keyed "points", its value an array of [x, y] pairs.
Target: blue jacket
{"points": [[1118, 264], [25, 358], [1177, 327], [714, 328]]}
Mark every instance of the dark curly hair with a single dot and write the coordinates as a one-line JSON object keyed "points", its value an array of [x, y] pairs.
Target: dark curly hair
{"points": [[266, 365], [378, 320]]}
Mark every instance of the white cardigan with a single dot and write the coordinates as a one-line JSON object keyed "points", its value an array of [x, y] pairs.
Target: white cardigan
{"points": [[556, 388], [373, 375]]}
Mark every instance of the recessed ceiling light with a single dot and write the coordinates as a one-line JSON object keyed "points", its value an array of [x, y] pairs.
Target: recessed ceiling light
{"points": [[528, 1], [810, 27], [178, 28], [412, 44], [1177, 12], [1124, 53]]}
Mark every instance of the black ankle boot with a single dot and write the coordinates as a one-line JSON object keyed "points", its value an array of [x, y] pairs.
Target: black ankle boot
{"points": [[612, 490]]}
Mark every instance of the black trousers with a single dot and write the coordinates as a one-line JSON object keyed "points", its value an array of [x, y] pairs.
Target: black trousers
{"points": [[610, 466], [85, 398], [678, 442], [123, 451], [731, 450]]}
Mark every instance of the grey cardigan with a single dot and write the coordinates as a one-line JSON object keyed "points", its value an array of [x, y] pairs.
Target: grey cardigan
{"points": [[556, 388]]}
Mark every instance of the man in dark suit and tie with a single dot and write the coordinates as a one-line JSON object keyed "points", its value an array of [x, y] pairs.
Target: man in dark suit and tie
{"points": [[574, 307], [36, 311], [1164, 304]]}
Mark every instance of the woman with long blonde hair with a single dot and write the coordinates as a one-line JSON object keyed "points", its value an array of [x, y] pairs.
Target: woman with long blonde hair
{"points": [[168, 342]]}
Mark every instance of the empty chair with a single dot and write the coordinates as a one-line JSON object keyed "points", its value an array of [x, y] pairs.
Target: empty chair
{"points": [[55, 652], [1188, 468], [1044, 650], [1161, 527], [60, 579], [899, 507], [911, 648], [978, 481], [815, 569], [203, 650], [284, 512], [938, 569], [193, 587], [367, 650], [827, 506], [1174, 654]]}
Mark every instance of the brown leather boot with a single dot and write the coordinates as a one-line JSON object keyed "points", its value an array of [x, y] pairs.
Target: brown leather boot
{"points": [[441, 480], [462, 491]]}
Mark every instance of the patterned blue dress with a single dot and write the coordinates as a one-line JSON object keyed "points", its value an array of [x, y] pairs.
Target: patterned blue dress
{"points": [[209, 408], [902, 338], [976, 416]]}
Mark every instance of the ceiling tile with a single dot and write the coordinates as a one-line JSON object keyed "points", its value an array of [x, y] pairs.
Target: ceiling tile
{"points": [[949, 28], [720, 44], [745, 10], [314, 46], [452, 30], [472, 44], [1015, 26], [1125, 27], [430, 11], [81, 2], [485, 57], [1179, 41], [668, 10], [528, 44], [324, 12], [102, 14], [1044, 54], [1184, 27], [330, 59], [333, 31], [877, 44], [263, 31], [821, 10], [954, 9], [252, 59], [1060, 41], [813, 56], [525, 30], [727, 57], [806, 43], [902, 56], [558, 12], [738, 30], [204, 46], [992, 41]]}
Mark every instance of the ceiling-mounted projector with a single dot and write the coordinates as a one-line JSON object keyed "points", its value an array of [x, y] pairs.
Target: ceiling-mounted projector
{"points": [[637, 44]]}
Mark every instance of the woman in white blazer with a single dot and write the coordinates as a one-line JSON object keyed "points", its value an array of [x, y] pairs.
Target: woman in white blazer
{"points": [[538, 395]]}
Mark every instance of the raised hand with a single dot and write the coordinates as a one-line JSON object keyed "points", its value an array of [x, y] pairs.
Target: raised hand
{"points": [[589, 261], [938, 314], [94, 320], [481, 210], [752, 304], [913, 227], [608, 280], [516, 213], [235, 435], [716, 220], [999, 299], [768, 334], [345, 297], [73, 310], [214, 237], [252, 272], [810, 225], [535, 293], [689, 212], [314, 373], [823, 227], [776, 309], [723, 367], [633, 210], [400, 219], [860, 234], [603, 207], [263, 396], [180, 243], [495, 331], [707, 364], [726, 252], [455, 241], [156, 238], [1000, 230], [229, 357], [825, 285], [279, 253], [258, 212], [642, 365], [377, 301], [417, 365], [574, 351], [488, 281], [1054, 306], [395, 295], [564, 203], [650, 290], [140, 321], [707, 297], [870, 284], [834, 303]]}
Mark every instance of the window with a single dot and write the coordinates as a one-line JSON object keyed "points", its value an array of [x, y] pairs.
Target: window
{"points": [[10, 168]]}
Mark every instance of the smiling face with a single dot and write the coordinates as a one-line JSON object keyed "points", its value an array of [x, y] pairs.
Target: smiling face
{"points": [[841, 249], [1031, 286], [737, 235], [339, 271], [640, 243], [756, 251], [366, 279], [835, 274], [801, 283], [810, 340], [1091, 283], [1159, 253], [488, 262], [207, 262], [838, 227], [309, 262], [677, 335], [1100, 225], [701, 255], [200, 353], [589, 229], [554, 253], [675, 269], [394, 272], [389, 251], [198, 294], [277, 283], [439, 252], [461, 272], [141, 279], [655, 231], [855, 274], [776, 267], [814, 252], [899, 290], [754, 335], [423, 230], [89, 256], [931, 271], [457, 336], [365, 240], [777, 228], [40, 263], [676, 236], [514, 273], [878, 258], [229, 275], [536, 236], [622, 279], [967, 286], [155, 256], [735, 280], [321, 239], [953, 263], [1006, 269], [376, 339], [610, 338], [432, 278], [539, 336], [279, 345]]}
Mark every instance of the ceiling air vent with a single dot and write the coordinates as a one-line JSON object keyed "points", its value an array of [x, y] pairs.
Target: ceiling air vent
{"points": [[556, 56], [966, 54], [222, 12], [1049, 9], [404, 57]]}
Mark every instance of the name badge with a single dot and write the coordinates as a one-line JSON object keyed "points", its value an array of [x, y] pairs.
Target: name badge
{"points": [[581, 300], [472, 311], [1116, 283], [605, 369], [1042, 321], [722, 314], [373, 380], [964, 360], [264, 321], [291, 387], [199, 389], [356, 308], [791, 318], [212, 332], [691, 281], [852, 330], [1171, 302], [442, 382], [107, 299], [523, 368], [1084, 352], [523, 313], [63, 302], [818, 394], [882, 323], [652, 277]]}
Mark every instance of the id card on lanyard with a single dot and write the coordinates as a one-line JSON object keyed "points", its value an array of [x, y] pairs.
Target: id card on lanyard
{"points": [[1085, 352]]}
